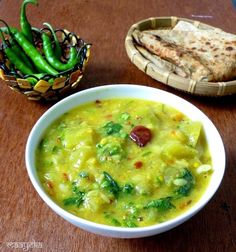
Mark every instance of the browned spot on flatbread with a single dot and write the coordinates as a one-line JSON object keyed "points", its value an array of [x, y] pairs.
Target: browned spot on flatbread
{"points": [[229, 48], [202, 50], [215, 49], [208, 43], [179, 53]]}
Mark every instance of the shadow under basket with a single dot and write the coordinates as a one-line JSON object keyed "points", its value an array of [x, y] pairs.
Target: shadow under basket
{"points": [[203, 88], [44, 89]]}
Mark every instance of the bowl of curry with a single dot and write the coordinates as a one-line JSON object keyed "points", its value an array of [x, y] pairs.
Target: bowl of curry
{"points": [[125, 161]]}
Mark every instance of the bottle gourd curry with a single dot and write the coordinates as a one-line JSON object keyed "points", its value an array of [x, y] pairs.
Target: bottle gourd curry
{"points": [[124, 162]]}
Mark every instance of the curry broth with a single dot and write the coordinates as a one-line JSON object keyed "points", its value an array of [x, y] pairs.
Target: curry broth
{"points": [[90, 166]]}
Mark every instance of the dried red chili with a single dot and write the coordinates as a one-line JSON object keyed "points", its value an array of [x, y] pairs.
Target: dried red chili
{"points": [[141, 135]]}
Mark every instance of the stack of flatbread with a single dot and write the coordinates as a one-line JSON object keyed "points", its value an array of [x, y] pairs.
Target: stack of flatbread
{"points": [[190, 52]]}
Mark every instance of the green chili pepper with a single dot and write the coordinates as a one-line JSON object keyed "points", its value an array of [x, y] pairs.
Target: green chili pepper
{"points": [[34, 78], [51, 58], [33, 81], [24, 23], [14, 59], [17, 49], [57, 47], [32, 52], [20, 53]]}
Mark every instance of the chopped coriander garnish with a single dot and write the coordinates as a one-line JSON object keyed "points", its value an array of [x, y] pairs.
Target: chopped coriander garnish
{"points": [[128, 188], [161, 204], [73, 200], [77, 198], [110, 184], [112, 128], [184, 190]]}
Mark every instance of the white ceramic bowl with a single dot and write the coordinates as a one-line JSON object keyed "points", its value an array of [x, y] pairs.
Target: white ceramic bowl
{"points": [[213, 137]]}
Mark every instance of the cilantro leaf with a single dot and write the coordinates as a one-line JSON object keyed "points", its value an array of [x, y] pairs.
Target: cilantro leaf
{"points": [[186, 189], [161, 204], [110, 184]]}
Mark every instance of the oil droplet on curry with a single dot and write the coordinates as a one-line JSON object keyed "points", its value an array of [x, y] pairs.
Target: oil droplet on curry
{"points": [[124, 162]]}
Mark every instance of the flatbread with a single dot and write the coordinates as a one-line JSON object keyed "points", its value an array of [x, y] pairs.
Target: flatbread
{"points": [[162, 64], [177, 55], [216, 49]]}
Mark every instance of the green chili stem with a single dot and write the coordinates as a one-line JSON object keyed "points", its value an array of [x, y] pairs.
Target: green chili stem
{"points": [[57, 48], [24, 23]]}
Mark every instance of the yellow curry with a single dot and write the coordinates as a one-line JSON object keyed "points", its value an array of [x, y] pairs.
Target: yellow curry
{"points": [[124, 162]]}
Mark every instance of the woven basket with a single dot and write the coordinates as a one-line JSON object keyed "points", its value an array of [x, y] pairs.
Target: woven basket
{"points": [[44, 90], [169, 78]]}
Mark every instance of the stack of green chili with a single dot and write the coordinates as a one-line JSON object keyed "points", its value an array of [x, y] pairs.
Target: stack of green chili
{"points": [[26, 60]]}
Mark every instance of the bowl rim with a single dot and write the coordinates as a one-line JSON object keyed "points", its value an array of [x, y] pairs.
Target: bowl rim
{"points": [[36, 134]]}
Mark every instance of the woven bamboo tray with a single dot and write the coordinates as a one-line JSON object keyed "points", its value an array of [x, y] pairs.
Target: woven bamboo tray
{"points": [[169, 78], [63, 84]]}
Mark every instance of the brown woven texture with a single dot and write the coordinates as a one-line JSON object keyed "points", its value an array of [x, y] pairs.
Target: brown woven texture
{"points": [[170, 78], [43, 90]]}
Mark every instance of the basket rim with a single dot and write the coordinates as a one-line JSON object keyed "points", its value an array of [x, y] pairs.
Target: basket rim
{"points": [[187, 85]]}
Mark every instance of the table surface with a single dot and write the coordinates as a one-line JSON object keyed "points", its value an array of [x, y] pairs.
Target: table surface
{"points": [[24, 216]]}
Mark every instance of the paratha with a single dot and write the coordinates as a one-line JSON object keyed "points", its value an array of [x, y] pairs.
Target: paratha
{"points": [[162, 64], [186, 60], [214, 49]]}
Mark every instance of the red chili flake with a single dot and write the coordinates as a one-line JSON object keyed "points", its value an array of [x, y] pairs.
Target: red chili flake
{"points": [[185, 204], [141, 135], [50, 190], [138, 164], [65, 176], [109, 116], [49, 184]]}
